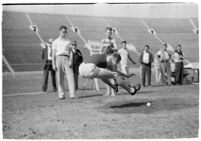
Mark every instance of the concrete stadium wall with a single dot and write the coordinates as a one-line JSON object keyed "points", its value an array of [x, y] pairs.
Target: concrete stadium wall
{"points": [[145, 10]]}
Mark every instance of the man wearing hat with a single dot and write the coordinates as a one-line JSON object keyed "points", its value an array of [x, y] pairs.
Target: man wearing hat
{"points": [[77, 60], [47, 57]]}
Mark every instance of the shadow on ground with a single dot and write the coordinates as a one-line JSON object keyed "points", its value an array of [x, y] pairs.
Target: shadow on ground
{"points": [[140, 106]]}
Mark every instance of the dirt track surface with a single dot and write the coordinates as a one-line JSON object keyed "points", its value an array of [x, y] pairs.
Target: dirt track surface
{"points": [[173, 113]]}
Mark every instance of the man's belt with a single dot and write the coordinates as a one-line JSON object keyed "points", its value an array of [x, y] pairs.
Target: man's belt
{"points": [[164, 61], [64, 55]]}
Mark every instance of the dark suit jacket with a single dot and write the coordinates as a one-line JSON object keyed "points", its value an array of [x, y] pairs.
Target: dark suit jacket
{"points": [[48, 63], [151, 58], [44, 54], [77, 57]]}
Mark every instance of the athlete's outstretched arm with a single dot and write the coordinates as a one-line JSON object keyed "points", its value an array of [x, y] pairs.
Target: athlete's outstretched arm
{"points": [[129, 57]]}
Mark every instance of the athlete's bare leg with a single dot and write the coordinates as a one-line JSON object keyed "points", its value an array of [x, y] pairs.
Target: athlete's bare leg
{"points": [[120, 81]]}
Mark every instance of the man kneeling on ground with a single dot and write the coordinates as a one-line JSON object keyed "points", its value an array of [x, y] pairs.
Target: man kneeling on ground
{"points": [[104, 67]]}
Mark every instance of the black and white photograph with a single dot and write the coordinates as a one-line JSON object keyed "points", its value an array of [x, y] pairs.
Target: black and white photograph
{"points": [[102, 70]]}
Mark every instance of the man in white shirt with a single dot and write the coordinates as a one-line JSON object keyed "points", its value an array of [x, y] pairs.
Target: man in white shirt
{"points": [[125, 56], [62, 62], [146, 59], [165, 58]]}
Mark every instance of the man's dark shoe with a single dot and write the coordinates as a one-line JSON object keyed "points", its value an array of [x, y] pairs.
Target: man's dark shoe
{"points": [[55, 90], [44, 90]]}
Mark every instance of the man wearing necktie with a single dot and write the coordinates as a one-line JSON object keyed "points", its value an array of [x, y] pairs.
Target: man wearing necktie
{"points": [[146, 59], [77, 60], [47, 57], [165, 58]]}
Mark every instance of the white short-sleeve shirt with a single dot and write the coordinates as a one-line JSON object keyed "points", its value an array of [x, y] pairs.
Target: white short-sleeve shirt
{"points": [[164, 54], [124, 56], [62, 47]]}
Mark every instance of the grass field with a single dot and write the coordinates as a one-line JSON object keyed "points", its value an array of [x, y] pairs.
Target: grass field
{"points": [[174, 112]]}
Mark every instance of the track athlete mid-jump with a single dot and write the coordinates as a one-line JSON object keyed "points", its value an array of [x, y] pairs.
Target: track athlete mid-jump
{"points": [[103, 66]]}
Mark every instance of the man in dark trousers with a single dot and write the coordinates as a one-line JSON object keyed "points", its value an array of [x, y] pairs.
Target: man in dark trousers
{"points": [[146, 58], [179, 65], [77, 60], [47, 57]]}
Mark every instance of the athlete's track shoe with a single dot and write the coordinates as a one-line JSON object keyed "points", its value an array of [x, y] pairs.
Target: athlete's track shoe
{"points": [[116, 89], [136, 88]]}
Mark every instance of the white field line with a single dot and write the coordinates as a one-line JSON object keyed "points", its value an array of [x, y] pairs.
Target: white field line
{"points": [[21, 94]]}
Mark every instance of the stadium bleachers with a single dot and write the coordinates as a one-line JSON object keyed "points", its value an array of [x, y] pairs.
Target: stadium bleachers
{"points": [[23, 52], [49, 28]]}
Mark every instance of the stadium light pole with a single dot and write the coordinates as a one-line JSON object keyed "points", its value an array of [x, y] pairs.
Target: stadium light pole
{"points": [[38, 35], [192, 23], [157, 37], [130, 46], [78, 32], [195, 29]]}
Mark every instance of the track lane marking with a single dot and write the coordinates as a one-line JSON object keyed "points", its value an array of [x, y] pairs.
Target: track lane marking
{"points": [[21, 94]]}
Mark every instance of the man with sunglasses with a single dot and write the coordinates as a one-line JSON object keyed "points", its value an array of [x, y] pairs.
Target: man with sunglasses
{"points": [[62, 62], [104, 67]]}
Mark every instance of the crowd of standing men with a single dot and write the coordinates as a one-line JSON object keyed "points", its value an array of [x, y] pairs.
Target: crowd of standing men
{"points": [[63, 58]]}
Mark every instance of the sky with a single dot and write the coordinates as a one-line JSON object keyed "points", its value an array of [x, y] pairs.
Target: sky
{"points": [[136, 10]]}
